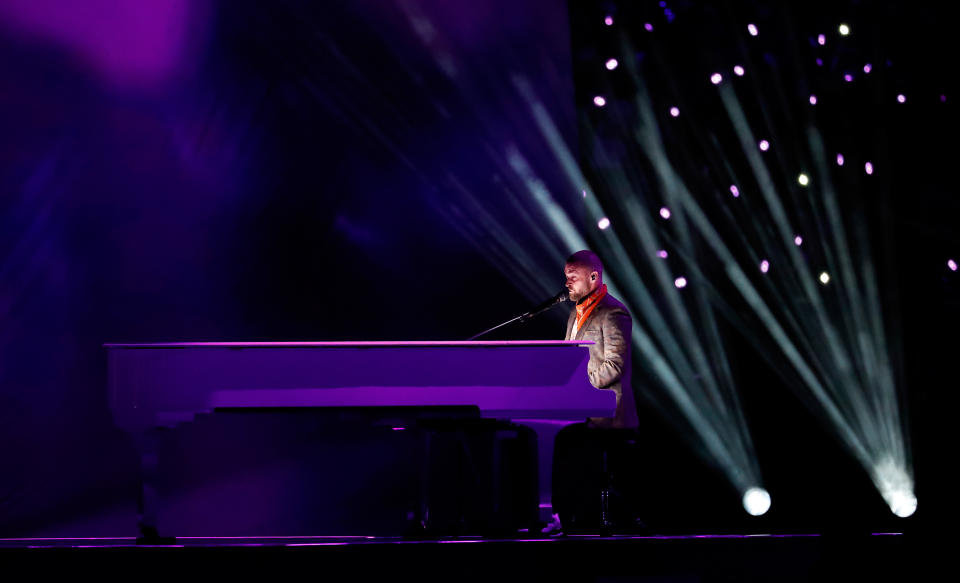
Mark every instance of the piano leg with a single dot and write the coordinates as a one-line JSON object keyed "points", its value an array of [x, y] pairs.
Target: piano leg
{"points": [[546, 430], [149, 471]]}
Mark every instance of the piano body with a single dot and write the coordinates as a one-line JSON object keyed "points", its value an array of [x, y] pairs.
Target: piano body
{"points": [[541, 384]]}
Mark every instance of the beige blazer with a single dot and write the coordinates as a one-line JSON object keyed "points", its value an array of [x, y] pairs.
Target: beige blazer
{"points": [[608, 326]]}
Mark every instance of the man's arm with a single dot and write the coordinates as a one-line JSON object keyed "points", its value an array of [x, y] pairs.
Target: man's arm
{"points": [[616, 349]]}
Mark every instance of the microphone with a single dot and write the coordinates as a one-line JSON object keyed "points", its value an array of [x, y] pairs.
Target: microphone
{"points": [[560, 297]]}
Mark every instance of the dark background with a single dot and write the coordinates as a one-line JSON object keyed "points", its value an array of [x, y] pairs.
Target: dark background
{"points": [[295, 171]]}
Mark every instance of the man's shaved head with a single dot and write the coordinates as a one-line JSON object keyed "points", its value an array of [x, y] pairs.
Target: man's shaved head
{"points": [[588, 259]]}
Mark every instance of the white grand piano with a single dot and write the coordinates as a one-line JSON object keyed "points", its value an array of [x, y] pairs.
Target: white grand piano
{"points": [[541, 384]]}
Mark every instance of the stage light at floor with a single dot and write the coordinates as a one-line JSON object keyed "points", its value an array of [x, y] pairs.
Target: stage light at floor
{"points": [[844, 30], [599, 101], [608, 21], [822, 39], [798, 240], [716, 78], [674, 111], [868, 168], [764, 266], [839, 159], [895, 485], [848, 77], [734, 190], [803, 179], [603, 223], [867, 68], [824, 278], [665, 212], [680, 282], [662, 254], [952, 264], [764, 145], [901, 98], [813, 100], [648, 27], [752, 29], [756, 501], [611, 64], [738, 71]]}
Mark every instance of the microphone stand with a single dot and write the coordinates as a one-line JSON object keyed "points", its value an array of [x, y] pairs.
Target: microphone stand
{"points": [[475, 336], [526, 315]]}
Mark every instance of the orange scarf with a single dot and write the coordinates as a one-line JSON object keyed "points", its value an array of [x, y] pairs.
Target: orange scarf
{"points": [[586, 308]]}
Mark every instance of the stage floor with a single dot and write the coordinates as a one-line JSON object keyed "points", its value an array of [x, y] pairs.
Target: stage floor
{"points": [[751, 557]]}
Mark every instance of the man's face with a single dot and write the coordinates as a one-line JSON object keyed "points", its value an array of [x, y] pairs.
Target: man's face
{"points": [[579, 282]]}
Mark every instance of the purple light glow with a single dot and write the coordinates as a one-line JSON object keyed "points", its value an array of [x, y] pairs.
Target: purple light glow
{"points": [[603, 223], [734, 190], [821, 40], [716, 78], [665, 212], [764, 266], [608, 21], [662, 254], [599, 101], [612, 64], [943, 99], [680, 282], [752, 29], [399, 428], [848, 77], [952, 264], [839, 159], [648, 27], [738, 71], [813, 100], [819, 62], [674, 111], [129, 44], [902, 98], [867, 68], [868, 167], [798, 240], [764, 145]]}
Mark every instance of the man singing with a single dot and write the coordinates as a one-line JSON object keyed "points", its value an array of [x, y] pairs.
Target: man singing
{"points": [[604, 320]]}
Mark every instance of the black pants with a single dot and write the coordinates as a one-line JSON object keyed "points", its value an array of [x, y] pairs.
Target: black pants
{"points": [[588, 461]]}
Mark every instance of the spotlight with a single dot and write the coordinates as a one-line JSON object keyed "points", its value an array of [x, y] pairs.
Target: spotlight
{"points": [[738, 71], [603, 223], [902, 98], [952, 264], [612, 64], [674, 111], [822, 40], [844, 30], [734, 190], [716, 78], [764, 266], [813, 100], [839, 159], [798, 240], [608, 21], [867, 68], [665, 212], [868, 168], [803, 179], [824, 278], [662, 254], [764, 145], [648, 27], [680, 282], [752, 29], [848, 77], [599, 101], [756, 501]]}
